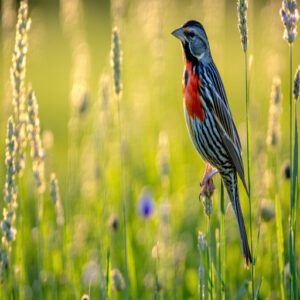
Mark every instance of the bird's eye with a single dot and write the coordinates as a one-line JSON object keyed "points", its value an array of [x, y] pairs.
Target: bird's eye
{"points": [[192, 34]]}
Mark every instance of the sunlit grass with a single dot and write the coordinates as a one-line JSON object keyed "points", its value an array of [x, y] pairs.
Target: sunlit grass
{"points": [[76, 247]]}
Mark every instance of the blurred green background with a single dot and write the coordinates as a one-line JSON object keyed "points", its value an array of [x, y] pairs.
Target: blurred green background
{"points": [[59, 54]]}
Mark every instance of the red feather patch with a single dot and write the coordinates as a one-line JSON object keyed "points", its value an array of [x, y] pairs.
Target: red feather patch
{"points": [[191, 93]]}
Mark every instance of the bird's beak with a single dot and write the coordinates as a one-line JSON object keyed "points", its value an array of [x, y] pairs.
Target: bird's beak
{"points": [[179, 34]]}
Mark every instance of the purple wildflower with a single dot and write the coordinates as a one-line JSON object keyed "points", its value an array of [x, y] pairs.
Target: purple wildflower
{"points": [[146, 204]]}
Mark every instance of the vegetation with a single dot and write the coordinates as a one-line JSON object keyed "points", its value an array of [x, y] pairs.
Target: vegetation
{"points": [[100, 180]]}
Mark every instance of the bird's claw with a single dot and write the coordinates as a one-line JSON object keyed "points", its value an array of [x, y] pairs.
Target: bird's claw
{"points": [[207, 184]]}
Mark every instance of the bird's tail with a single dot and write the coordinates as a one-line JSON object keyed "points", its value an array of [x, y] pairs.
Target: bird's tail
{"points": [[230, 182]]}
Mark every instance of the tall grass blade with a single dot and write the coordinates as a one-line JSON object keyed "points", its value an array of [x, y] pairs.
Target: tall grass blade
{"points": [[116, 64], [222, 244], [131, 266], [203, 274], [107, 279], [293, 267], [242, 7], [280, 246], [291, 256]]}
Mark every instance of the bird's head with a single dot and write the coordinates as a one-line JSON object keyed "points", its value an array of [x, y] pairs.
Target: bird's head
{"points": [[194, 41]]}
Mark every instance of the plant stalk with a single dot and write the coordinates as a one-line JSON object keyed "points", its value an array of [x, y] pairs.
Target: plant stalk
{"points": [[124, 199], [249, 167]]}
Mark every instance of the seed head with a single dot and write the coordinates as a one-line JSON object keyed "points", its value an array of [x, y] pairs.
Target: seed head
{"points": [[286, 170], [297, 84], [202, 244], [91, 273], [104, 92], [156, 250], [80, 98], [113, 222], [242, 6], [117, 280], [10, 196], [158, 286], [10, 189], [207, 204], [201, 272], [18, 72], [55, 196], [37, 150], [163, 155], [289, 16], [116, 60], [274, 114], [85, 297], [47, 139], [267, 210], [206, 195]]}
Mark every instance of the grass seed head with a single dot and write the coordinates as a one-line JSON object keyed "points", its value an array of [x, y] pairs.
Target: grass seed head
{"points": [[116, 60], [104, 92], [10, 188], [47, 139], [157, 250], [18, 72], [37, 150], [163, 156], [207, 204], [202, 243], [286, 170], [273, 135], [117, 280], [114, 223], [267, 210], [289, 16], [80, 98], [201, 271], [55, 196], [10, 196], [242, 7]]}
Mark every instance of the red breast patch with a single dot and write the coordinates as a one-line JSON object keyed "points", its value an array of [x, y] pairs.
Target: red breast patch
{"points": [[191, 94]]}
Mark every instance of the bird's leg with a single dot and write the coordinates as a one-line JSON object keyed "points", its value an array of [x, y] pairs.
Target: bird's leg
{"points": [[207, 183]]}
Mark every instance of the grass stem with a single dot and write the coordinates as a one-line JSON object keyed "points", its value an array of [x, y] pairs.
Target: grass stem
{"points": [[123, 182], [222, 247], [249, 168], [293, 185]]}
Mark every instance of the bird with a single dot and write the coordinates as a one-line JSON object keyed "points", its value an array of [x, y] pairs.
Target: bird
{"points": [[209, 120]]}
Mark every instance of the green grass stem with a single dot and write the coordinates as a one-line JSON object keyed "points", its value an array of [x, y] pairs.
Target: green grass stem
{"points": [[124, 197], [107, 277], [222, 248], [249, 168], [280, 246], [293, 262]]}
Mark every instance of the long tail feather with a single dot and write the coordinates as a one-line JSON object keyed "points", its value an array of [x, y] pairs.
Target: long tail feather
{"points": [[230, 182]]}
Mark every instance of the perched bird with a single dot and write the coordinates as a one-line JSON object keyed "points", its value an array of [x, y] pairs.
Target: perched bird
{"points": [[209, 119]]}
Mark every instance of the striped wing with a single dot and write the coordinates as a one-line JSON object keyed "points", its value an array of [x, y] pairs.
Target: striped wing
{"points": [[218, 105], [221, 104]]}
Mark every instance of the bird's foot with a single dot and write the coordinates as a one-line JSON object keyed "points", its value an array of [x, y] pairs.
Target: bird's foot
{"points": [[207, 184]]}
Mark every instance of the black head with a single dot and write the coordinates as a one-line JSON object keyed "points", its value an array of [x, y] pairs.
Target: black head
{"points": [[194, 41]]}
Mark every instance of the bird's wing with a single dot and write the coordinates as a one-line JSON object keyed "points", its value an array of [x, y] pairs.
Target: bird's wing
{"points": [[217, 87], [227, 129]]}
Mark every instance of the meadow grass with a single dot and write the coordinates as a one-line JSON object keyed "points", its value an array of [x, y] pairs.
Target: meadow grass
{"points": [[243, 28], [290, 17], [104, 203]]}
